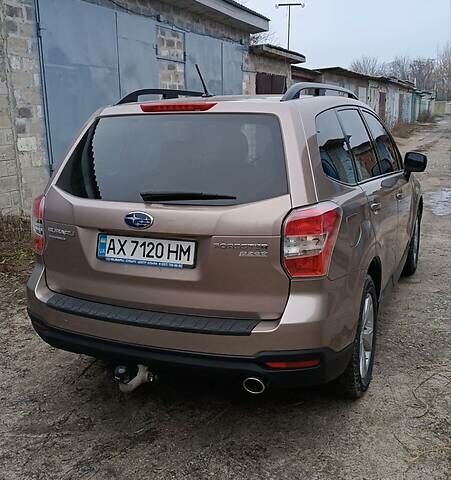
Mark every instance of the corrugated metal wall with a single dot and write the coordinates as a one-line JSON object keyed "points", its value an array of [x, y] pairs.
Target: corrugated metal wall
{"points": [[93, 55]]}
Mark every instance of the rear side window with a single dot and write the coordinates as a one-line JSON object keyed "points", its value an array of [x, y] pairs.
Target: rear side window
{"points": [[336, 157], [388, 156], [360, 144], [238, 155]]}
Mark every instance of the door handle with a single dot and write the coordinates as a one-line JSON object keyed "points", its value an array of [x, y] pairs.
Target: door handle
{"points": [[399, 195], [375, 206]]}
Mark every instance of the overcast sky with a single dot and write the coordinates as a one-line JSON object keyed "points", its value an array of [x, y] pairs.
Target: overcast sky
{"points": [[335, 32]]}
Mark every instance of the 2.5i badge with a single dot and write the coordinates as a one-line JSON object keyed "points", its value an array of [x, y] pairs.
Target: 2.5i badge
{"points": [[59, 231], [245, 249]]}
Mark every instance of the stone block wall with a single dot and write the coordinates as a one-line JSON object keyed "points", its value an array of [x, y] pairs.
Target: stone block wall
{"points": [[171, 57], [23, 157]]}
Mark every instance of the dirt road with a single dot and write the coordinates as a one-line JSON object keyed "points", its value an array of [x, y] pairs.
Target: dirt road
{"points": [[61, 417]]}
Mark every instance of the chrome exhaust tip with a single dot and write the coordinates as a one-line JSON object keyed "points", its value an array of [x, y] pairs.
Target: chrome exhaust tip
{"points": [[254, 386]]}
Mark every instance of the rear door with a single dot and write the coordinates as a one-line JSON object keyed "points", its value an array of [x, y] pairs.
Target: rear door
{"points": [[210, 256], [381, 194], [391, 166], [338, 164]]}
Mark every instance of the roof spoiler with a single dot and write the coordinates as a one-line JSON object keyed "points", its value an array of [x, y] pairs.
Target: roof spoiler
{"points": [[166, 93], [319, 89]]}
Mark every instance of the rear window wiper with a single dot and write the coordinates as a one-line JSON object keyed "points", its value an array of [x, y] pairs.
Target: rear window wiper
{"points": [[162, 196]]}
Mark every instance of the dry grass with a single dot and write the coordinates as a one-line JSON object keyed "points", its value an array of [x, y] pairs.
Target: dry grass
{"points": [[16, 256], [424, 117], [404, 130]]}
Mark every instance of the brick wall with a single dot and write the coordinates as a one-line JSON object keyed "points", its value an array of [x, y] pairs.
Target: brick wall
{"points": [[23, 171]]}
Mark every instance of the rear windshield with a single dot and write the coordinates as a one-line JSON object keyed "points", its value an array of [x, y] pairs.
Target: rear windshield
{"points": [[237, 155]]}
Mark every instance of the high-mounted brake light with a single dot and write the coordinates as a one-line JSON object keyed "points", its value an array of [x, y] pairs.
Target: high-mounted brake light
{"points": [[176, 107], [37, 225], [309, 238], [293, 365]]}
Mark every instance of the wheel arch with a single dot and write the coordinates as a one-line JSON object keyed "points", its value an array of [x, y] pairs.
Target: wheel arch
{"points": [[420, 207], [375, 272]]}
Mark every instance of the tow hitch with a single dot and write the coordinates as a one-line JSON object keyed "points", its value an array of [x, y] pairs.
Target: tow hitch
{"points": [[130, 378]]}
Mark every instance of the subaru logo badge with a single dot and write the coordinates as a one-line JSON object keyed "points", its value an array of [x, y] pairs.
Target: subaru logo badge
{"points": [[138, 220]]}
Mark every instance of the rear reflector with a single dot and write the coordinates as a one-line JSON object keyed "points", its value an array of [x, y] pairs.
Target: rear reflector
{"points": [[37, 225], [293, 365], [309, 238], [176, 107]]}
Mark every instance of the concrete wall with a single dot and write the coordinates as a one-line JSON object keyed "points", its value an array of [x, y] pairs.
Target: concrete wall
{"points": [[442, 107], [23, 157]]}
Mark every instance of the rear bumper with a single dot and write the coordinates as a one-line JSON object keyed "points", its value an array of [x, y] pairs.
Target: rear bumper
{"points": [[315, 324], [331, 364]]}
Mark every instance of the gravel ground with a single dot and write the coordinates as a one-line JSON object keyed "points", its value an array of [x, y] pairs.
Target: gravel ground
{"points": [[61, 417]]}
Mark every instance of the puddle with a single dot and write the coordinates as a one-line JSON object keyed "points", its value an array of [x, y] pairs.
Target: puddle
{"points": [[439, 202]]}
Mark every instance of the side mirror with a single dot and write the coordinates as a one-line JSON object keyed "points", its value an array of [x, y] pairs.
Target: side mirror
{"points": [[415, 162]]}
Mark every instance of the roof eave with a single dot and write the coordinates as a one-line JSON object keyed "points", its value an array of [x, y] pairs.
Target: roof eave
{"points": [[227, 12], [278, 53]]}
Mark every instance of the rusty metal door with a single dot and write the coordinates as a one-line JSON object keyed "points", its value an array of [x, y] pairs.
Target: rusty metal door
{"points": [[382, 104], [267, 83]]}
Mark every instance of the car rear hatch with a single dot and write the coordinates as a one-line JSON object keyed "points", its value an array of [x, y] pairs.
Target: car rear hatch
{"points": [[174, 212]]}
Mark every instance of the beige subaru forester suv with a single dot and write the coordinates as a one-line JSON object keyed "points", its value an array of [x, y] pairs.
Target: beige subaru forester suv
{"points": [[251, 237]]}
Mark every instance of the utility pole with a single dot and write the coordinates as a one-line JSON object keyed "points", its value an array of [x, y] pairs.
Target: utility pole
{"points": [[289, 5]]}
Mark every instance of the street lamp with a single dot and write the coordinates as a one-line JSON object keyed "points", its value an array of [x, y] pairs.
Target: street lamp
{"points": [[289, 5]]}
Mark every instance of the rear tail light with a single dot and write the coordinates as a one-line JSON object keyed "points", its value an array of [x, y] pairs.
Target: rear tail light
{"points": [[293, 365], [177, 107], [37, 225], [309, 238]]}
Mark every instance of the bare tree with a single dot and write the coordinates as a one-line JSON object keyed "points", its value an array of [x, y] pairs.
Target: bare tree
{"points": [[400, 67], [263, 37], [443, 73], [423, 73], [368, 66]]}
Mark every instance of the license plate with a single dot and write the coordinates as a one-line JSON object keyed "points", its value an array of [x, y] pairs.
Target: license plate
{"points": [[151, 252]]}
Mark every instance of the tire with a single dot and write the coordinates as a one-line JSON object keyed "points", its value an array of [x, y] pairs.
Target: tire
{"points": [[356, 378], [411, 264]]}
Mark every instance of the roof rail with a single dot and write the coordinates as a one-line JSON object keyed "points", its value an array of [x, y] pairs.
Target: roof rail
{"points": [[319, 89], [167, 93]]}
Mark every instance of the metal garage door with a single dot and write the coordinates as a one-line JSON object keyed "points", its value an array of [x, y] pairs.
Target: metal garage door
{"points": [[78, 78], [91, 56], [138, 67], [232, 68], [206, 52], [220, 63]]}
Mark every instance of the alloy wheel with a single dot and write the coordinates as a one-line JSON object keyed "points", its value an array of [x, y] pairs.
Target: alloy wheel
{"points": [[366, 335]]}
